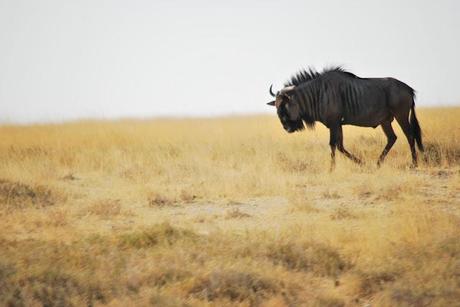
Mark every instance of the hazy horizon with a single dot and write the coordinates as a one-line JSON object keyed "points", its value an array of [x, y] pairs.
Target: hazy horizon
{"points": [[65, 60]]}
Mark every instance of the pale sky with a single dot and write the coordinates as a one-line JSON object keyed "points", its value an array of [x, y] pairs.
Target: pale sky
{"points": [[65, 60]]}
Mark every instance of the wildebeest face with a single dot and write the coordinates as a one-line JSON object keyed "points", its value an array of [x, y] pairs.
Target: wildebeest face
{"points": [[289, 115], [288, 110]]}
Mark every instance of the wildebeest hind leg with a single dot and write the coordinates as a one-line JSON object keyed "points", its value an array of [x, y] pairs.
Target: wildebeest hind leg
{"points": [[333, 144], [403, 121], [342, 148], [391, 139]]}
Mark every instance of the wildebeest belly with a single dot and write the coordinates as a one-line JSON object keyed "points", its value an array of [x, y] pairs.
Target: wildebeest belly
{"points": [[368, 115]]}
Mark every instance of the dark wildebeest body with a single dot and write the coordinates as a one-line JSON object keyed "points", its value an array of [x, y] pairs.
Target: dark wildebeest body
{"points": [[336, 97]]}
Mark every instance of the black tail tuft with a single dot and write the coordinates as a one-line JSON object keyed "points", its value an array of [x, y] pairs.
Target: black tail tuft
{"points": [[416, 128]]}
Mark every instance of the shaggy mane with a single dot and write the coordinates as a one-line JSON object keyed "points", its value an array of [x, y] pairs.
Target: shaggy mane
{"points": [[305, 75]]}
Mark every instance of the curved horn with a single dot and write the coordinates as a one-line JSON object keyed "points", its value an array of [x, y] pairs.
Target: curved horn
{"points": [[271, 91]]}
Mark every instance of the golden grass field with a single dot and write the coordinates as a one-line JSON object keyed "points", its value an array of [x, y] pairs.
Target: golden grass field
{"points": [[227, 211]]}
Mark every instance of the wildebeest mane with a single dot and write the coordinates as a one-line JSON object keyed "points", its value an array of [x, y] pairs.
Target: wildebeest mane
{"points": [[308, 74]]}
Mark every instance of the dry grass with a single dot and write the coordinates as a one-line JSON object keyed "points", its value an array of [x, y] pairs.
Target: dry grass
{"points": [[228, 211]]}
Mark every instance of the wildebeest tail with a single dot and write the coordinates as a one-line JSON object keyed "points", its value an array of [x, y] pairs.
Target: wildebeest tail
{"points": [[416, 130]]}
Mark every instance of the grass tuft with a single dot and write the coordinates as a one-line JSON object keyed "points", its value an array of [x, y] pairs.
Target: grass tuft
{"points": [[311, 257], [16, 195], [156, 235], [235, 286]]}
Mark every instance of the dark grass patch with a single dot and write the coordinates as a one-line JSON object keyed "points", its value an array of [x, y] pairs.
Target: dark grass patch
{"points": [[235, 286], [372, 282], [436, 154], [160, 201], [166, 274], [16, 195], [427, 275], [342, 213], [441, 283], [155, 235], [70, 177], [86, 273], [50, 287], [163, 300], [55, 288], [236, 213], [328, 301], [331, 195], [311, 257], [10, 292]]}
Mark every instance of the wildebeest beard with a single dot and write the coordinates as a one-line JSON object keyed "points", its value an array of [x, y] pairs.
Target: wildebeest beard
{"points": [[288, 124]]}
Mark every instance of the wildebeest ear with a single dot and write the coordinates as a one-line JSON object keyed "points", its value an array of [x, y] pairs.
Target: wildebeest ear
{"points": [[271, 103], [287, 91]]}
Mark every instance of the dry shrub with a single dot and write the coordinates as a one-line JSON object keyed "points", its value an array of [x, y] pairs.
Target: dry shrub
{"points": [[55, 288], [59, 274], [437, 265], [438, 154], [342, 213], [18, 195], [292, 165], [420, 267], [159, 201], [69, 177], [235, 286], [168, 274], [84, 273], [187, 196], [392, 192], [328, 301], [236, 213], [331, 195], [372, 282], [47, 288], [317, 258], [10, 292], [164, 300], [155, 235], [163, 273], [106, 208], [234, 203], [55, 218], [396, 188], [31, 152]]}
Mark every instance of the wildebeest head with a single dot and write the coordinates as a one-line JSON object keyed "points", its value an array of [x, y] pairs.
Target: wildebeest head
{"points": [[287, 108]]}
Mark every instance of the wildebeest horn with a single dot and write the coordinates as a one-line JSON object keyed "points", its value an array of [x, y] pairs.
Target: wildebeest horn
{"points": [[271, 91]]}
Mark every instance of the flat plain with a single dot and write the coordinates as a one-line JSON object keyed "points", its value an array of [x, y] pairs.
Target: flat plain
{"points": [[227, 211]]}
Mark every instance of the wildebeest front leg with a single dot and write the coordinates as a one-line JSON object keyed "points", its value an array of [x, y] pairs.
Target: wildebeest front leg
{"points": [[342, 148], [391, 139]]}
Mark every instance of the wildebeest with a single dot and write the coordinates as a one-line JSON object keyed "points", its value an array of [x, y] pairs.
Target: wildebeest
{"points": [[336, 97]]}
